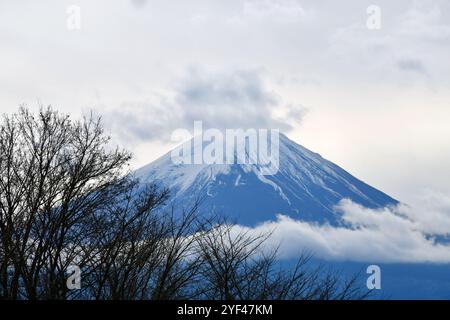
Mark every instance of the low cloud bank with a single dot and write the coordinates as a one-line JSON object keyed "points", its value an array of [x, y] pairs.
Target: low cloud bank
{"points": [[394, 234]]}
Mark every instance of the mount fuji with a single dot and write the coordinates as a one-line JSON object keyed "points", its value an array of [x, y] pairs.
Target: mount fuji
{"points": [[306, 187]]}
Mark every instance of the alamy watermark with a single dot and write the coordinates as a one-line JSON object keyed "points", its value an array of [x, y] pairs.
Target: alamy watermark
{"points": [[73, 21], [74, 279], [374, 17], [374, 280], [259, 147]]}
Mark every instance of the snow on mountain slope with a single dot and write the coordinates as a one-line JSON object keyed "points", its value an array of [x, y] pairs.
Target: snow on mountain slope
{"points": [[305, 187]]}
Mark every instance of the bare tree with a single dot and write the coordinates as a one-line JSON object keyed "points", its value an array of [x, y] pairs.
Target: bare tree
{"points": [[54, 173], [67, 198], [142, 252], [238, 265]]}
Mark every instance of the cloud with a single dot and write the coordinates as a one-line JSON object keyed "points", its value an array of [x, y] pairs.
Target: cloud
{"points": [[397, 234], [223, 99], [420, 29], [431, 211], [425, 22], [411, 65], [280, 10], [139, 3], [146, 120]]}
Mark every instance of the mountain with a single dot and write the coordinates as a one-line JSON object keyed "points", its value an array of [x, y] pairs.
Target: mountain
{"points": [[305, 187]]}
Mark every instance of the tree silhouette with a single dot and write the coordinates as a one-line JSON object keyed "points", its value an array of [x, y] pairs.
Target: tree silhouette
{"points": [[68, 199]]}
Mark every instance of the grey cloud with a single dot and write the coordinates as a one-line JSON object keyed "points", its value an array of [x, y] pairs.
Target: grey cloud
{"points": [[227, 100], [231, 99], [139, 3], [139, 121], [411, 65]]}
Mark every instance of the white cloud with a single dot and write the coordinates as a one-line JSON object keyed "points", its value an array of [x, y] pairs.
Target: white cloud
{"points": [[397, 234], [431, 212]]}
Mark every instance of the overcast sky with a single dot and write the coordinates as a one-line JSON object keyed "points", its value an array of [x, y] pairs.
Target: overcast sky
{"points": [[376, 102]]}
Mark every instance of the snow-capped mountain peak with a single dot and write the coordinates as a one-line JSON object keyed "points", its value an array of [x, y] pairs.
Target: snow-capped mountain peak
{"points": [[305, 186]]}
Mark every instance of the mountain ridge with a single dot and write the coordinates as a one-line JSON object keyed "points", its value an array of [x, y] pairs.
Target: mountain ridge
{"points": [[306, 186]]}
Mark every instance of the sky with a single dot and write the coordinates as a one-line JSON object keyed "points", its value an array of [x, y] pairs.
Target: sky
{"points": [[374, 101]]}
